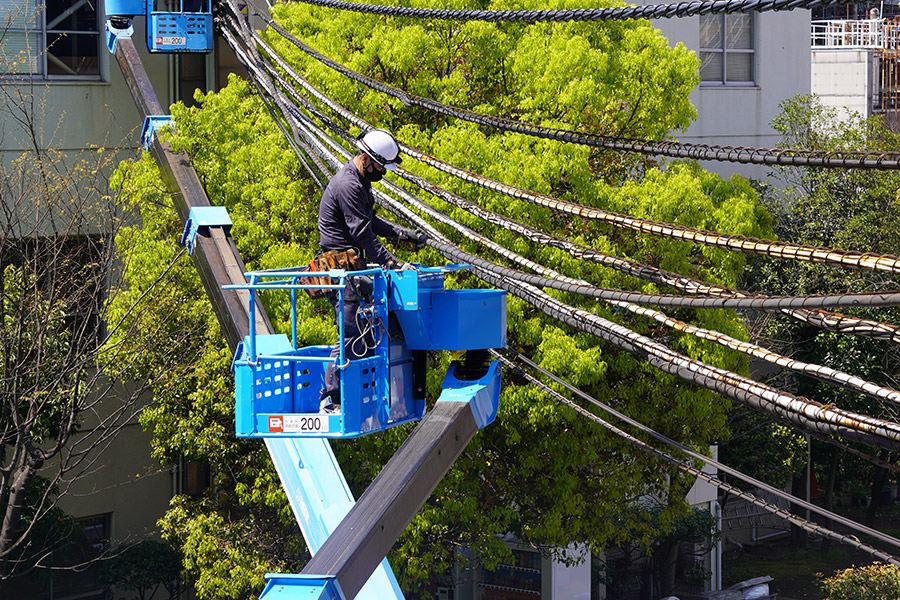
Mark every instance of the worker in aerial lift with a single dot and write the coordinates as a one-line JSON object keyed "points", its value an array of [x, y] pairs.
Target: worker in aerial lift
{"points": [[347, 221]]}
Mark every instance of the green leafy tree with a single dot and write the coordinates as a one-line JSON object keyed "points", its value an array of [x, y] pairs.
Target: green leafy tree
{"points": [[540, 472], [144, 569], [852, 209], [873, 582], [65, 393]]}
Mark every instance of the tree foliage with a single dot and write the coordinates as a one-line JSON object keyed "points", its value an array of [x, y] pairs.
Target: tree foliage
{"points": [[540, 472], [850, 209], [64, 390], [873, 582], [144, 569]]}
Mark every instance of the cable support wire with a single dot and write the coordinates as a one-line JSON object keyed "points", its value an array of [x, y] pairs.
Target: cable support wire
{"points": [[805, 524], [297, 145], [796, 520], [230, 28], [828, 256], [746, 155], [878, 462], [823, 319], [778, 511], [801, 411], [652, 11]]}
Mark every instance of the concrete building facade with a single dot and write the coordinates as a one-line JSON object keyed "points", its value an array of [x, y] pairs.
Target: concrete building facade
{"points": [[750, 64]]}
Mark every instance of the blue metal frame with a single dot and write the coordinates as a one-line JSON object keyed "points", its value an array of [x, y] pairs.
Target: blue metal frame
{"points": [[200, 219], [300, 587], [180, 31], [278, 384], [189, 29], [152, 124]]}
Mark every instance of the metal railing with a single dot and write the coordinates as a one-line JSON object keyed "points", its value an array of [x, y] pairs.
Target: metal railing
{"points": [[850, 34]]}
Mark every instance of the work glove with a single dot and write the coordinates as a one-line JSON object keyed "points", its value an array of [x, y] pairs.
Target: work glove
{"points": [[396, 265], [416, 237]]}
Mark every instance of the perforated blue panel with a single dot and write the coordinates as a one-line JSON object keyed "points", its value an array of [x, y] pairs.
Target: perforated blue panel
{"points": [[179, 32]]}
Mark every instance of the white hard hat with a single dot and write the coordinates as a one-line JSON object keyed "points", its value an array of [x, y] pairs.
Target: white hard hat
{"points": [[381, 146]]}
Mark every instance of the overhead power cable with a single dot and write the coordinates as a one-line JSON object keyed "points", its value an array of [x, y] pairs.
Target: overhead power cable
{"points": [[797, 410], [826, 320], [762, 156], [820, 318], [805, 524], [780, 512], [797, 520], [823, 373], [828, 256], [652, 11], [818, 301]]}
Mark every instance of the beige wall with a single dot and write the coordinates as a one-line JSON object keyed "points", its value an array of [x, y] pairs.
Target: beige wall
{"points": [[844, 79]]}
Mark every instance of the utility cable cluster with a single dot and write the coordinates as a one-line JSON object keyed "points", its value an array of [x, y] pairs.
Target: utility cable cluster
{"points": [[820, 318], [761, 156], [828, 256], [804, 524], [652, 11], [710, 380], [801, 412]]}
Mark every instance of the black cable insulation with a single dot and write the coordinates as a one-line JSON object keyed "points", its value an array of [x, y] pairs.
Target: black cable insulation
{"points": [[819, 318], [746, 155], [782, 513], [651, 11], [853, 426]]}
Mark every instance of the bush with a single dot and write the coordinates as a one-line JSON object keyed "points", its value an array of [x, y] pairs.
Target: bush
{"points": [[874, 582]]}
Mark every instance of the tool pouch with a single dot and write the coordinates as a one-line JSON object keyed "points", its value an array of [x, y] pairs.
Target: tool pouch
{"points": [[333, 259]]}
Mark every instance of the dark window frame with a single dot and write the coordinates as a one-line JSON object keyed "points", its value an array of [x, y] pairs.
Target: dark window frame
{"points": [[60, 40]]}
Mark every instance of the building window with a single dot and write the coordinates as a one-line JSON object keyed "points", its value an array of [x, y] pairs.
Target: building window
{"points": [[76, 576], [726, 49], [517, 580], [51, 39]]}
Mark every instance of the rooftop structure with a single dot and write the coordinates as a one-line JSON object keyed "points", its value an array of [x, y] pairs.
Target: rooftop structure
{"points": [[855, 65]]}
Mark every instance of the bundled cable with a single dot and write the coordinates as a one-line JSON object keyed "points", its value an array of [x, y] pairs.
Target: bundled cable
{"points": [[828, 256], [809, 415], [819, 318], [821, 372], [761, 156], [652, 11], [799, 411], [804, 524]]}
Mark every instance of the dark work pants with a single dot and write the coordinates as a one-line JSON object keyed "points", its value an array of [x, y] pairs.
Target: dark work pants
{"points": [[356, 290]]}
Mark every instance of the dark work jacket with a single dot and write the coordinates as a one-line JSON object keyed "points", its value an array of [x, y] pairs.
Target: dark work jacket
{"points": [[347, 217]]}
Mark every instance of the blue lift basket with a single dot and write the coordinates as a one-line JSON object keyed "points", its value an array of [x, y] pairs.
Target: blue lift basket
{"points": [[278, 385], [172, 25]]}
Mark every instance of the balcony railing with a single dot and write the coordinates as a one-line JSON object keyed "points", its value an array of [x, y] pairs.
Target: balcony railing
{"points": [[855, 34]]}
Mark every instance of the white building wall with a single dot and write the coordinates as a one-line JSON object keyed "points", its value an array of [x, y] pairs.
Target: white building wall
{"points": [[844, 79], [570, 582], [741, 116], [74, 115]]}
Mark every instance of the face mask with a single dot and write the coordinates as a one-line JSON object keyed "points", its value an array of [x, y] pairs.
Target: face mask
{"points": [[371, 174]]}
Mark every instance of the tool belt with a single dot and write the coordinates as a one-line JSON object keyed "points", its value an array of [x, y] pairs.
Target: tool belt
{"points": [[333, 259]]}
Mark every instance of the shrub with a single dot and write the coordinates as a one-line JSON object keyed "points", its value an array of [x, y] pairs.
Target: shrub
{"points": [[874, 582]]}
